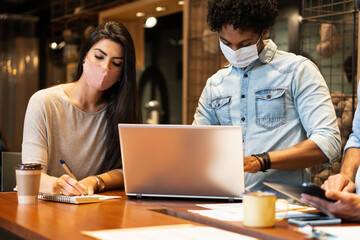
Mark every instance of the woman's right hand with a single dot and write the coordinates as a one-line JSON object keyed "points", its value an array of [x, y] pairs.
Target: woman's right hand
{"points": [[65, 185]]}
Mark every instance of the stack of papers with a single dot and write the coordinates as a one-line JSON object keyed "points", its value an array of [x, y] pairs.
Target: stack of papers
{"points": [[234, 211]]}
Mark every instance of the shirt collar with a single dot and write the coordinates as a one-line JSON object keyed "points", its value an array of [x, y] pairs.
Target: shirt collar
{"points": [[267, 54], [227, 69]]}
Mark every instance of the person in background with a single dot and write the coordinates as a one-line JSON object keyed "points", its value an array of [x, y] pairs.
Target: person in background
{"points": [[341, 187], [281, 100], [77, 121]]}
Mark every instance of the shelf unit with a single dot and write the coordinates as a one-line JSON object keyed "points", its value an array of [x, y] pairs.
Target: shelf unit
{"points": [[339, 63], [342, 15]]}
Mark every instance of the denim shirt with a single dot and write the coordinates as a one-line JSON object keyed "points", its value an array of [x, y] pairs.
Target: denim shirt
{"points": [[280, 100], [354, 138]]}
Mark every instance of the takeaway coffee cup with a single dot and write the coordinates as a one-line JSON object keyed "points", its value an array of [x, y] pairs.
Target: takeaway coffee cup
{"points": [[28, 182], [259, 209]]}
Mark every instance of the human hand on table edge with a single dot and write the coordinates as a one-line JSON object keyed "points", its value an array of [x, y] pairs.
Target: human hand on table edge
{"points": [[65, 185]]}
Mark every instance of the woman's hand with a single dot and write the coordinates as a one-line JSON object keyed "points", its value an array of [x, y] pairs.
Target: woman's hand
{"points": [[66, 185], [90, 183]]}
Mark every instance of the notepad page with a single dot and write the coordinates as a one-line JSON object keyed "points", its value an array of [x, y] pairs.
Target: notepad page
{"points": [[68, 199], [75, 199]]}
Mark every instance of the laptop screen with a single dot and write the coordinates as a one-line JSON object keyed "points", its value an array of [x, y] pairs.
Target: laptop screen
{"points": [[182, 160]]}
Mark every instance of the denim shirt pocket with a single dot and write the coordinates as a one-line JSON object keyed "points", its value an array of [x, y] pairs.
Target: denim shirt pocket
{"points": [[221, 107], [270, 108]]}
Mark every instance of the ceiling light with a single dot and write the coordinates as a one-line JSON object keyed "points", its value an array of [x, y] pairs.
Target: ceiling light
{"points": [[140, 14], [150, 22], [181, 3], [53, 45], [160, 9]]}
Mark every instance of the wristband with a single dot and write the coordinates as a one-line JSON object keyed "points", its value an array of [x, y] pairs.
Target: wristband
{"points": [[266, 158], [100, 184]]}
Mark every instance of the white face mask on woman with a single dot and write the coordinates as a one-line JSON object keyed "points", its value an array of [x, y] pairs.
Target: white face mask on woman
{"points": [[242, 57], [99, 78]]}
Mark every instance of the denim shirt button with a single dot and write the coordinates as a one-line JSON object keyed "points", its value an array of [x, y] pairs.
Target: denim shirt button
{"points": [[243, 96], [268, 96], [246, 75], [243, 119]]}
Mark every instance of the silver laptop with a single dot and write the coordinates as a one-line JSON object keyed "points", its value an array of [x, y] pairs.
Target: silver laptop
{"points": [[182, 161]]}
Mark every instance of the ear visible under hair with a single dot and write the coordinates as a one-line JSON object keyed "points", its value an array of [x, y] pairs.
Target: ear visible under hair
{"points": [[265, 33]]}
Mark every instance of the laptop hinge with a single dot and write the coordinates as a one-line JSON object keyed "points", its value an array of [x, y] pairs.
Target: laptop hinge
{"points": [[138, 195], [231, 199]]}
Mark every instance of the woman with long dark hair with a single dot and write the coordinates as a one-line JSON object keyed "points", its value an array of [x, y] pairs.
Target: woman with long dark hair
{"points": [[77, 122]]}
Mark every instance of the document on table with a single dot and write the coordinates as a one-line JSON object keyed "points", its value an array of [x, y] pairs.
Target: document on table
{"points": [[343, 233], [234, 211], [105, 197], [173, 232]]}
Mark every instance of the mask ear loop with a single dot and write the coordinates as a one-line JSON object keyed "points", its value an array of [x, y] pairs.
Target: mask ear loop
{"points": [[259, 39], [259, 49]]}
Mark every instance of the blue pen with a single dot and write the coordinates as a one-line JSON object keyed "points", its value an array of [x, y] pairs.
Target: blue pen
{"points": [[67, 169]]}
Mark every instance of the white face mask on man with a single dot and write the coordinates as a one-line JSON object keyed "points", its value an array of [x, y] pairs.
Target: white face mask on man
{"points": [[242, 57]]}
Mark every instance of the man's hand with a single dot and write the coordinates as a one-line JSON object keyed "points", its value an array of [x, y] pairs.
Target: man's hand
{"points": [[339, 182], [251, 164], [347, 205]]}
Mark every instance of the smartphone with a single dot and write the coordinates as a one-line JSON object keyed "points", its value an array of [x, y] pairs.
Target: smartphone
{"points": [[314, 221], [295, 190]]}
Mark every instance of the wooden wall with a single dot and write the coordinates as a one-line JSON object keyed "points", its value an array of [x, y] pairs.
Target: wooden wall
{"points": [[202, 55]]}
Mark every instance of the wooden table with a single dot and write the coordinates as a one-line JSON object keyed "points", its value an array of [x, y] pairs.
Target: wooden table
{"points": [[51, 220]]}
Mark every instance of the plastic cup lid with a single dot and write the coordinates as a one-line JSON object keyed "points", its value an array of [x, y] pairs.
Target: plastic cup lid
{"points": [[28, 166]]}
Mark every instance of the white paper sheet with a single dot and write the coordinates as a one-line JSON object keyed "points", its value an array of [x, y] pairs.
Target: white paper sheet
{"points": [[234, 211], [105, 197], [173, 232], [343, 233]]}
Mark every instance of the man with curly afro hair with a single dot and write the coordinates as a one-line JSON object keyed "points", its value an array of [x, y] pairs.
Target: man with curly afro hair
{"points": [[280, 99]]}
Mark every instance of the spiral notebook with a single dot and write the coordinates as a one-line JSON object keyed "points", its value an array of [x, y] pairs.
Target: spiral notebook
{"points": [[69, 199]]}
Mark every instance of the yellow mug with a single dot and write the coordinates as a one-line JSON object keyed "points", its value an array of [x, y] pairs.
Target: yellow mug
{"points": [[259, 209]]}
